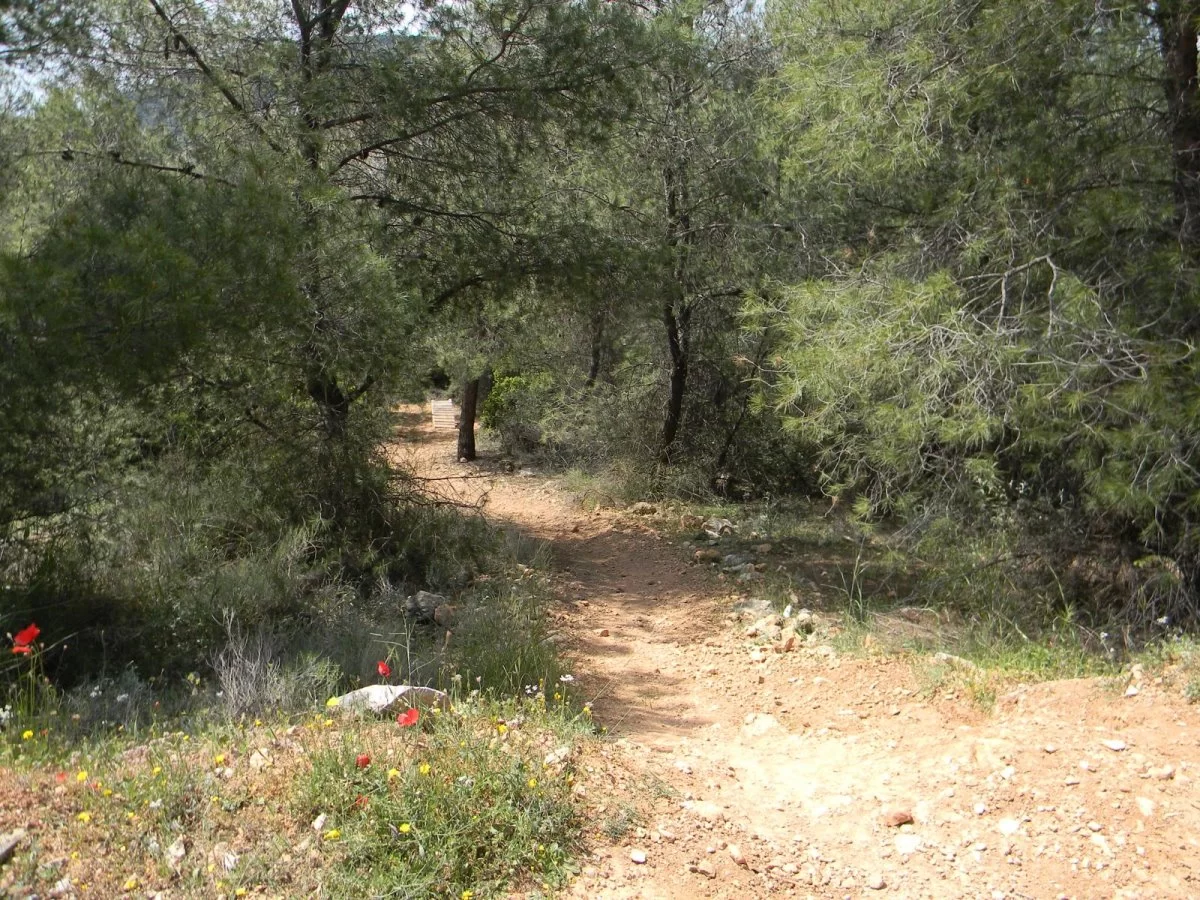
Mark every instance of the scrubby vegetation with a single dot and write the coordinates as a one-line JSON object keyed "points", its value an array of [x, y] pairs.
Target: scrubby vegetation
{"points": [[925, 271]]}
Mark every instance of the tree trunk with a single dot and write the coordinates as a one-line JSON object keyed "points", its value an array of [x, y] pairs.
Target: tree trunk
{"points": [[675, 401], [331, 400], [1177, 22], [677, 311], [597, 350], [466, 420]]}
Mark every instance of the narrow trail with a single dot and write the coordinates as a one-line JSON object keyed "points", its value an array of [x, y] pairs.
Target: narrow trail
{"points": [[813, 774]]}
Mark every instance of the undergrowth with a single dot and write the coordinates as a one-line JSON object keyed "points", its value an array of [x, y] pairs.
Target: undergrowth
{"points": [[209, 782]]}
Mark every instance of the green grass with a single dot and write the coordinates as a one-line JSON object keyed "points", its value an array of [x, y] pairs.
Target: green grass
{"points": [[465, 803], [474, 802]]}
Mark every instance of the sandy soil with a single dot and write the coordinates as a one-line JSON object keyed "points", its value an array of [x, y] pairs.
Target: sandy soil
{"points": [[736, 771]]}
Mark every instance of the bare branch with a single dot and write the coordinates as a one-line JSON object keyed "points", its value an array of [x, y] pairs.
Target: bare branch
{"points": [[186, 45]]}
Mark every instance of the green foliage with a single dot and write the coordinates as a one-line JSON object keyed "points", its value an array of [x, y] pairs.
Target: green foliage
{"points": [[514, 404], [995, 322], [463, 811], [502, 642]]}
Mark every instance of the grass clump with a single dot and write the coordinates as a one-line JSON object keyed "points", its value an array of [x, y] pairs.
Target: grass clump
{"points": [[462, 803]]}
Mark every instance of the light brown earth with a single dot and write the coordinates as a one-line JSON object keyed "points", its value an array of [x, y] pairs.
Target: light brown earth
{"points": [[740, 772]]}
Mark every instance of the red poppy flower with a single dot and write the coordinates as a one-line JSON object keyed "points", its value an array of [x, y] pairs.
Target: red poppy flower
{"points": [[362, 761], [26, 636], [409, 718], [384, 670], [361, 802]]}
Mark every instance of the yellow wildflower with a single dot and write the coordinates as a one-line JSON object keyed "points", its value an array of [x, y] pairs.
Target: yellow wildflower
{"points": [[131, 884], [81, 776], [405, 828], [424, 768], [84, 817], [332, 834], [393, 774], [157, 770], [26, 734], [532, 782], [501, 728], [467, 895], [332, 702], [219, 759]]}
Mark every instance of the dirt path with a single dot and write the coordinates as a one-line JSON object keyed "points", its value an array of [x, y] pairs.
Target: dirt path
{"points": [[764, 774]]}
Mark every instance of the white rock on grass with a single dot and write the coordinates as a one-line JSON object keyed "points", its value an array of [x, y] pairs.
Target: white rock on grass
{"points": [[175, 853], [388, 698]]}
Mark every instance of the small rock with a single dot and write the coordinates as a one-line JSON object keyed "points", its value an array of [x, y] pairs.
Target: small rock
{"points": [[422, 604], [1145, 806], [980, 809], [1131, 691], [717, 527], [707, 555], [9, 843], [1162, 773], [602, 632], [1050, 748], [175, 853], [897, 817], [642, 508], [876, 882], [762, 549], [1008, 826], [907, 844], [735, 853], [222, 856], [1094, 826], [638, 857], [387, 698], [260, 759], [1115, 745], [318, 824], [705, 868]]}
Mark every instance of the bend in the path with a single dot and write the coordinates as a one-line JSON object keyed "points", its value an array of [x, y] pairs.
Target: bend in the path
{"points": [[799, 758]]}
